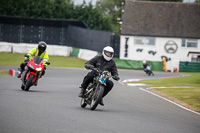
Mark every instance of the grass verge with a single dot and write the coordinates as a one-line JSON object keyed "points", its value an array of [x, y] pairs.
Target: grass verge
{"points": [[4, 72], [56, 61], [188, 97]]}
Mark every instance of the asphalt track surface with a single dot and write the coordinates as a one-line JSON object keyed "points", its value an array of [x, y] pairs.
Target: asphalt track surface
{"points": [[54, 107]]}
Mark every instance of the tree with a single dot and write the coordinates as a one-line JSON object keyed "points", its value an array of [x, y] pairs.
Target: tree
{"points": [[197, 1], [56, 9], [113, 10], [63, 9], [92, 16]]}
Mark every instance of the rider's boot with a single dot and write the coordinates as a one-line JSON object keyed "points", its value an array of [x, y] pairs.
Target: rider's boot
{"points": [[81, 92], [42, 73], [152, 74], [20, 74], [101, 102], [36, 82]]}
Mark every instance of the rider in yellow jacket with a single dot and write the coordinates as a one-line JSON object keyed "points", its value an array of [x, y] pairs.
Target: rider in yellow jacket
{"points": [[40, 51]]}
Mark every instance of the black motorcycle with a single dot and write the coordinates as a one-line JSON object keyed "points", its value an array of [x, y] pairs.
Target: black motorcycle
{"points": [[95, 90], [148, 71]]}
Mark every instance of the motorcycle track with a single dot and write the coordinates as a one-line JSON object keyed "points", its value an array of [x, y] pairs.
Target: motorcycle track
{"points": [[54, 106]]}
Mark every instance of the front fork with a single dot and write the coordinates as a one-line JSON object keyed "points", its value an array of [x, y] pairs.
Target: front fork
{"points": [[33, 73]]}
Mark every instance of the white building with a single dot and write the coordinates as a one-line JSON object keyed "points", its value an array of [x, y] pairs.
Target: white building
{"points": [[154, 29]]}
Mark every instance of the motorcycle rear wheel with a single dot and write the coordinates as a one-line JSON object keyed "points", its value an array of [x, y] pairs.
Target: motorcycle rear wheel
{"points": [[29, 82], [97, 97]]}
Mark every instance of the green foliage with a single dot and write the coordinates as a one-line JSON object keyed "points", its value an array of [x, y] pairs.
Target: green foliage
{"points": [[112, 9], [56, 9], [92, 16], [197, 1]]}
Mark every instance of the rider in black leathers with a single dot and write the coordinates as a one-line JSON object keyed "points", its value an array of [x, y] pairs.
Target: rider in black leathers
{"points": [[100, 63]]}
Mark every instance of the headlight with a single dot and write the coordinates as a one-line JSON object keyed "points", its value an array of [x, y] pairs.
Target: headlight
{"points": [[38, 69]]}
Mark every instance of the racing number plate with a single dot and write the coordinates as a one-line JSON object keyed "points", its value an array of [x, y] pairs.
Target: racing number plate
{"points": [[102, 79]]}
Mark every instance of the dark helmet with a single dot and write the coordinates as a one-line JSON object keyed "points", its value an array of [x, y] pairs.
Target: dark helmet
{"points": [[42, 46]]}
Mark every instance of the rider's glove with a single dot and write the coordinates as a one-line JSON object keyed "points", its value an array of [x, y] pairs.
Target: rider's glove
{"points": [[95, 70], [88, 66], [116, 77], [26, 60]]}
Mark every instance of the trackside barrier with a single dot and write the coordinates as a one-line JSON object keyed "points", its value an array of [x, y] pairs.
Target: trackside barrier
{"points": [[5, 47], [13, 73], [137, 65], [22, 48], [59, 50], [86, 54], [51, 49], [74, 52], [189, 66]]}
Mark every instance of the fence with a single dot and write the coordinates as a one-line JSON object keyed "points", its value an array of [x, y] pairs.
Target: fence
{"points": [[56, 32], [189, 66]]}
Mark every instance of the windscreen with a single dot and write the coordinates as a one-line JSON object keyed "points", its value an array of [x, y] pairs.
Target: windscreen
{"points": [[37, 59]]}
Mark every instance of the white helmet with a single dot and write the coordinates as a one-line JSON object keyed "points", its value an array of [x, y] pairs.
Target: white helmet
{"points": [[108, 53], [144, 62]]}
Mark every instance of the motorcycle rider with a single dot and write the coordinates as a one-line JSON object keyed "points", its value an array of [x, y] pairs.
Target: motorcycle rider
{"points": [[145, 66], [100, 63], [39, 51]]}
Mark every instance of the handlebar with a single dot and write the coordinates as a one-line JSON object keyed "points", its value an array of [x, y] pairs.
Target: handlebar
{"points": [[26, 55]]}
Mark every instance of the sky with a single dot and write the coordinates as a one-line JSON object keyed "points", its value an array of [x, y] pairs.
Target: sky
{"points": [[188, 1], [78, 2]]}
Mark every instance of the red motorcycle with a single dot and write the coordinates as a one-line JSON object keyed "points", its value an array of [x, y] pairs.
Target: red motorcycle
{"points": [[33, 71]]}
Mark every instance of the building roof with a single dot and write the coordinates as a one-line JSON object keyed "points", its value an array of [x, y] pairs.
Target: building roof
{"points": [[161, 19]]}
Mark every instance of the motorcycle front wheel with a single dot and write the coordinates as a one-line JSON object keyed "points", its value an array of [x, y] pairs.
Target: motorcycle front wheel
{"points": [[83, 103], [29, 82], [22, 87], [96, 98]]}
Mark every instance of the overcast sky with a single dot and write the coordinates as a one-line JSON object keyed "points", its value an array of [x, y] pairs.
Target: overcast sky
{"points": [[189, 1], [78, 2]]}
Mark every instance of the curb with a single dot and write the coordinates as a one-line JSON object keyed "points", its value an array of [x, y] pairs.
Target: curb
{"points": [[13, 73]]}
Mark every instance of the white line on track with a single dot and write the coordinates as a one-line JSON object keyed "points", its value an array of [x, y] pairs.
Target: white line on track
{"points": [[169, 101], [120, 82]]}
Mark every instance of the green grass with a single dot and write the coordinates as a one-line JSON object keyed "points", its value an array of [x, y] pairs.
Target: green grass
{"points": [[60, 61], [193, 80], [56, 61], [4, 72], [190, 96]]}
